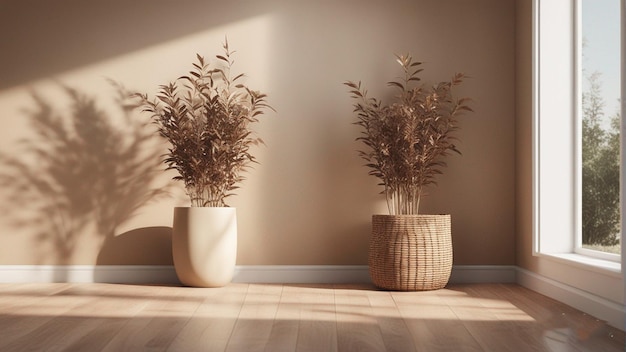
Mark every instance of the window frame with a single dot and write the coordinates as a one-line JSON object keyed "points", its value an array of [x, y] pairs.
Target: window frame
{"points": [[557, 51]]}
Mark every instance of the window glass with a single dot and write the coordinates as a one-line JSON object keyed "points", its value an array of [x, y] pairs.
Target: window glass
{"points": [[600, 128]]}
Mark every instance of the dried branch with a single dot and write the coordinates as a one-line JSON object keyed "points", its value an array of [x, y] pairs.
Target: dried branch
{"points": [[407, 140], [206, 117]]}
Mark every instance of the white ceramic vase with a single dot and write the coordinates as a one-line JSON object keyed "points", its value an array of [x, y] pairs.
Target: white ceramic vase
{"points": [[204, 245]]}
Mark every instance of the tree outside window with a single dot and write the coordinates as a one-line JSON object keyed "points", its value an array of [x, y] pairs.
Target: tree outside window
{"points": [[601, 125]]}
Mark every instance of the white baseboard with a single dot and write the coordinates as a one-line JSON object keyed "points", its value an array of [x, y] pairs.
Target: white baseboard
{"points": [[164, 274], [301, 274], [359, 274], [599, 307], [474, 274], [139, 274]]}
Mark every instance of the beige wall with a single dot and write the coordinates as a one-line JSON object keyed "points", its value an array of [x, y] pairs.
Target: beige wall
{"points": [[523, 134], [309, 201]]}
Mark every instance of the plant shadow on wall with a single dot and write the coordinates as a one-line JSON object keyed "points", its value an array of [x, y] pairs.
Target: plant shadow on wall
{"points": [[79, 176]]}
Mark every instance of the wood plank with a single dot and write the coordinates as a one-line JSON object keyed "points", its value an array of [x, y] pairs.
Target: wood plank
{"points": [[357, 328], [394, 330], [256, 318], [15, 297], [211, 325], [115, 306], [32, 321], [520, 328], [495, 324], [562, 326], [433, 325], [317, 330], [156, 324], [284, 333]]}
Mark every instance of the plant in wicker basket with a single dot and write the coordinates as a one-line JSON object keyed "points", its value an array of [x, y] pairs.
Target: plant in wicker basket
{"points": [[206, 117], [406, 142]]}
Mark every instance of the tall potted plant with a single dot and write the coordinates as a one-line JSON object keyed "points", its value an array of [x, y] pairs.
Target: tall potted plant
{"points": [[406, 142], [206, 117]]}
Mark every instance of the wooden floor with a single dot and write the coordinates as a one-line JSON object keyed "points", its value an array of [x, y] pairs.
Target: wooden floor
{"points": [[255, 317]]}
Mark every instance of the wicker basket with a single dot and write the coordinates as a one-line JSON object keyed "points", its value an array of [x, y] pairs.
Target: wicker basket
{"points": [[410, 252]]}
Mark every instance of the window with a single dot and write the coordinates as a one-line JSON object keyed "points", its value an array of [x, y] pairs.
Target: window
{"points": [[564, 79], [598, 70]]}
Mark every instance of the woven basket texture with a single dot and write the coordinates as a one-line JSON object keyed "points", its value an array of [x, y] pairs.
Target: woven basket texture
{"points": [[410, 252]]}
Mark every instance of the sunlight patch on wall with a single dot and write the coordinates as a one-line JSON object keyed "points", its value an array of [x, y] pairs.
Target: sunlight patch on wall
{"points": [[105, 136]]}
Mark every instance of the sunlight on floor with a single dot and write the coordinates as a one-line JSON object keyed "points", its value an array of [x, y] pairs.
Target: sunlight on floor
{"points": [[482, 317]]}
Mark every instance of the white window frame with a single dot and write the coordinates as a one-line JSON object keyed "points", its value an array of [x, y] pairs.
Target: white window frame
{"points": [[556, 132]]}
